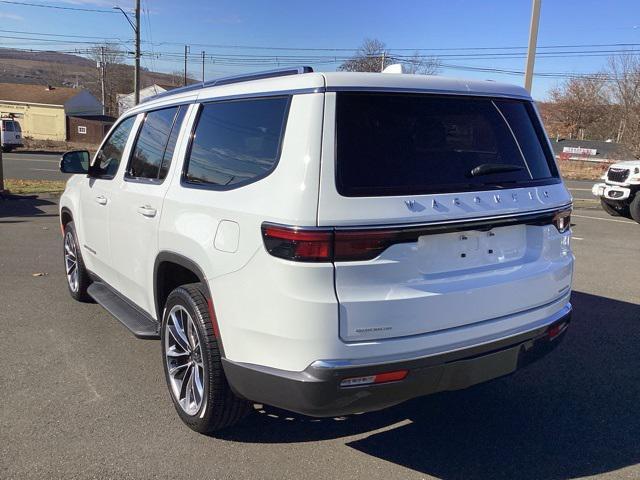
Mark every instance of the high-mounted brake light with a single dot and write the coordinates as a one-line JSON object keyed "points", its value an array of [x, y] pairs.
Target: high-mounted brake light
{"points": [[562, 220]]}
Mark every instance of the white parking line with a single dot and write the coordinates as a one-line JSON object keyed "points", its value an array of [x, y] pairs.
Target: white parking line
{"points": [[46, 169], [604, 219], [579, 189], [577, 238]]}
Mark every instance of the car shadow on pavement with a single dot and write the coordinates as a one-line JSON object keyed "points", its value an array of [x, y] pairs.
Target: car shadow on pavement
{"points": [[574, 413], [25, 206]]}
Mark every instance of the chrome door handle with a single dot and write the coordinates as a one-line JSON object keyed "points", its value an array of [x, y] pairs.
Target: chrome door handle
{"points": [[101, 199], [147, 211]]}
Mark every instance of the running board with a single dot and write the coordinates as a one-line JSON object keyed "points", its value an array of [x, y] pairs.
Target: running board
{"points": [[137, 321]]}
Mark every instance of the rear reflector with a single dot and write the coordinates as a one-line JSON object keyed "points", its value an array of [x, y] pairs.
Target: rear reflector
{"points": [[555, 330], [374, 379]]}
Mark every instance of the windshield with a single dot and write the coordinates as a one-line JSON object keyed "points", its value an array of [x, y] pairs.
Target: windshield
{"points": [[408, 144]]}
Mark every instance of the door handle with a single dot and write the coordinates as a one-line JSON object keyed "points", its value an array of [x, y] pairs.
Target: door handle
{"points": [[147, 211], [101, 199]]}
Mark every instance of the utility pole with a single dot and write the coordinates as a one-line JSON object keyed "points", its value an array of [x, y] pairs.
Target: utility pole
{"points": [[186, 51], [533, 41], [102, 68], [136, 31], [383, 58], [202, 66], [136, 73]]}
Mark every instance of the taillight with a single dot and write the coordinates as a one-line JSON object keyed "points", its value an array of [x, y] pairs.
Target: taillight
{"points": [[302, 245], [327, 245], [365, 244], [562, 220]]}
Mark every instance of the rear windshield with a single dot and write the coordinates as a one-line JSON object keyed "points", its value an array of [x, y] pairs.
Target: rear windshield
{"points": [[411, 144]]}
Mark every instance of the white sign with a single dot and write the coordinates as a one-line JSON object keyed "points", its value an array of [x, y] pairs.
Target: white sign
{"points": [[82, 130], [580, 150]]}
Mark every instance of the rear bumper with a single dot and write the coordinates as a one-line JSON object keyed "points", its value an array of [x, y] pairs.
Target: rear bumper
{"points": [[316, 391]]}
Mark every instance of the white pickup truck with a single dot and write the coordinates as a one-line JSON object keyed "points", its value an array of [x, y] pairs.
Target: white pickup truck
{"points": [[619, 193]]}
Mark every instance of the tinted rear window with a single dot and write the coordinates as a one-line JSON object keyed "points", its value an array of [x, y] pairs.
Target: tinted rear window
{"points": [[237, 142], [410, 144]]}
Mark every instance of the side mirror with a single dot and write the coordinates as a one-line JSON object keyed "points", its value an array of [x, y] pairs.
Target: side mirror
{"points": [[76, 161]]}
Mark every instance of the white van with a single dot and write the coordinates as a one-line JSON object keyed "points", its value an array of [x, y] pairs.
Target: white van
{"points": [[10, 134], [328, 243]]}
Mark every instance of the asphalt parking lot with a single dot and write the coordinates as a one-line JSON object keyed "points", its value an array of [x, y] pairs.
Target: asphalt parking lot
{"points": [[82, 398]]}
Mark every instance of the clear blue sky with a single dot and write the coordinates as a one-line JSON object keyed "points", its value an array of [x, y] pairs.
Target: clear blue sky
{"points": [[330, 24]]}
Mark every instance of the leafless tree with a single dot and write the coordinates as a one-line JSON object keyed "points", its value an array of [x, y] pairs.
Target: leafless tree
{"points": [[625, 90], [372, 56], [118, 75], [368, 58], [425, 65], [579, 105]]}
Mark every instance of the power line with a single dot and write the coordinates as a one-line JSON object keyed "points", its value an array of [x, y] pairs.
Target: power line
{"points": [[58, 35], [77, 9]]}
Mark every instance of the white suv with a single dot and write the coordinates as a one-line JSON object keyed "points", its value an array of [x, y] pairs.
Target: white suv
{"points": [[328, 243], [620, 193]]}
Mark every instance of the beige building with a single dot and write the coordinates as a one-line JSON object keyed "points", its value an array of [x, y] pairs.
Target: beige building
{"points": [[42, 110]]}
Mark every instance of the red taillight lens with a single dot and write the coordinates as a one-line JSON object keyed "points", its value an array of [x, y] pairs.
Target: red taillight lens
{"points": [[327, 245], [302, 245], [562, 220], [364, 244]]}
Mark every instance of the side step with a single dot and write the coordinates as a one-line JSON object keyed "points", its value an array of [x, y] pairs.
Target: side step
{"points": [[137, 321]]}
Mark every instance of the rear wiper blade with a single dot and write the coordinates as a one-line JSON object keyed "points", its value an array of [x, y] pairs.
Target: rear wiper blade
{"points": [[489, 168]]}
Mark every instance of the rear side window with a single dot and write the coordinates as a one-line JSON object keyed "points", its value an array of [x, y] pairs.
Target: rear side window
{"points": [[155, 144], [410, 144], [236, 142], [9, 126]]}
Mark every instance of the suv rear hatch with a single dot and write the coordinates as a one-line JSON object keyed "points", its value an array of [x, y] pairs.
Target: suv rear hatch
{"points": [[443, 208]]}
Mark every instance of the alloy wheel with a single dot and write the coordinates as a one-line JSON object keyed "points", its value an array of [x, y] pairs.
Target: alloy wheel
{"points": [[183, 356], [71, 261]]}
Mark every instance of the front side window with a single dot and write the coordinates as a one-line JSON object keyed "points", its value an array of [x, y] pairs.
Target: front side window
{"points": [[155, 144], [412, 144], [108, 158], [236, 142]]}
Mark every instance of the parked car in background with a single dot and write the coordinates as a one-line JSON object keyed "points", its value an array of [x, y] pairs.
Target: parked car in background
{"points": [[328, 243], [10, 134], [620, 193]]}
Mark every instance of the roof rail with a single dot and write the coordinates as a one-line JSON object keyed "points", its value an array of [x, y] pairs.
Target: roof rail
{"points": [[279, 72]]}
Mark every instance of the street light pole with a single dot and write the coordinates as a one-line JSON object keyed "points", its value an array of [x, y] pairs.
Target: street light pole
{"points": [[136, 31], [136, 73], [533, 40]]}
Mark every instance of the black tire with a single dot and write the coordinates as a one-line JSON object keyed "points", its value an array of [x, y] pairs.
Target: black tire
{"points": [[78, 290], [634, 207], [220, 407], [615, 209], [7, 149]]}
